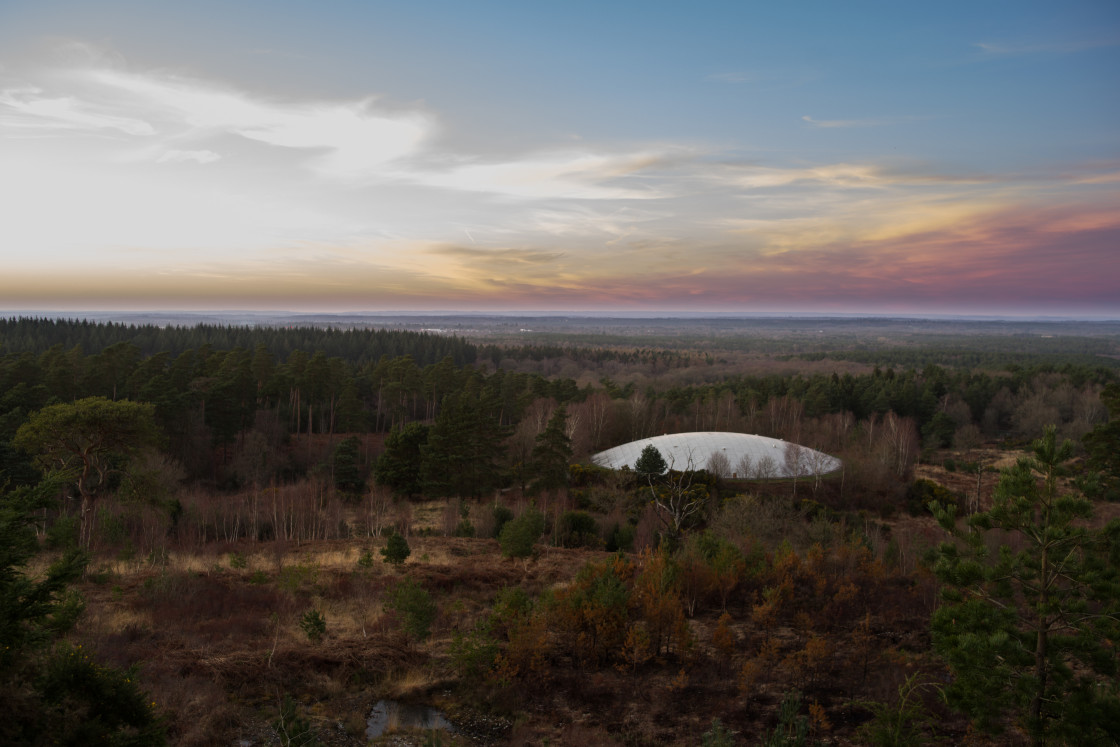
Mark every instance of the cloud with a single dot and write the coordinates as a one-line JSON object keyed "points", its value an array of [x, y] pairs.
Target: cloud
{"points": [[348, 139], [356, 142], [838, 174], [29, 108], [565, 175], [502, 256], [185, 156], [1015, 49], [830, 123]]}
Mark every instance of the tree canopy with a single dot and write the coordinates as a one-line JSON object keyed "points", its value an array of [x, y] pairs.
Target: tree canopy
{"points": [[87, 440], [1033, 630]]}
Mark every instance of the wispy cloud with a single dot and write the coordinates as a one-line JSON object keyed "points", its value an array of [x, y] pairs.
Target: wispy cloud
{"points": [[345, 139], [879, 122], [30, 107], [1017, 48], [567, 175], [359, 141], [188, 156]]}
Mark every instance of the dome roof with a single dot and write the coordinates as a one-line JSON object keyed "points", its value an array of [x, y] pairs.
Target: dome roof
{"points": [[747, 456]]}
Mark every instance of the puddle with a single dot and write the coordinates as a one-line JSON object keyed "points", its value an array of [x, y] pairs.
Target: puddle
{"points": [[390, 715]]}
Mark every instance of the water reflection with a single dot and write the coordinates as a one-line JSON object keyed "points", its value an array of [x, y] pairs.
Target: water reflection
{"points": [[389, 715]]}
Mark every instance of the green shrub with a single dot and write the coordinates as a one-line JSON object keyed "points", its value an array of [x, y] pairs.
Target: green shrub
{"points": [[415, 606], [237, 560], [578, 529], [396, 549], [365, 560], [502, 516], [792, 729], [620, 537], [313, 624], [922, 492], [293, 729], [519, 535], [63, 533], [718, 736]]}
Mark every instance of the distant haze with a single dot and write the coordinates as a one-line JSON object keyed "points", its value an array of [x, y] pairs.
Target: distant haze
{"points": [[613, 158]]}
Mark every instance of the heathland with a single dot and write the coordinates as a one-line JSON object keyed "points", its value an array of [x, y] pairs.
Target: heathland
{"points": [[257, 529]]}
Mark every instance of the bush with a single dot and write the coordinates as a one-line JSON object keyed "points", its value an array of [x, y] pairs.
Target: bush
{"points": [[313, 624], [415, 606], [620, 537], [396, 549], [502, 516], [718, 736], [519, 535], [922, 492], [578, 529]]}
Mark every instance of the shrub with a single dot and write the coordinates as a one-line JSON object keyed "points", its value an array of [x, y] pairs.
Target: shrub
{"points": [[415, 606], [293, 729], [578, 529], [718, 736], [502, 516], [396, 549], [621, 537], [365, 560], [922, 492], [313, 624], [519, 535]]}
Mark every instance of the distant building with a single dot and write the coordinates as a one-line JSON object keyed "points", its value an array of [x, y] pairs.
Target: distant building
{"points": [[740, 455]]}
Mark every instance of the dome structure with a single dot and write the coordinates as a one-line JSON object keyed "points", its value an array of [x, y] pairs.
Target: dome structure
{"points": [[735, 455]]}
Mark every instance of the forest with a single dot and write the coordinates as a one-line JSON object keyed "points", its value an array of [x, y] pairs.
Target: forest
{"points": [[222, 532]]}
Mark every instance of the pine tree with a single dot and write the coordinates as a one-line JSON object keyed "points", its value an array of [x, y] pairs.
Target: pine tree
{"points": [[1033, 631], [461, 457], [553, 452], [396, 549], [650, 462], [400, 466]]}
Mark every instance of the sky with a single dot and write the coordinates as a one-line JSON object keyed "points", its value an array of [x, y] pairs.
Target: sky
{"points": [[855, 157]]}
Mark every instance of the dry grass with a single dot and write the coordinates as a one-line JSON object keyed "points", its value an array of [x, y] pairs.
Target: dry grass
{"points": [[411, 682], [218, 636]]}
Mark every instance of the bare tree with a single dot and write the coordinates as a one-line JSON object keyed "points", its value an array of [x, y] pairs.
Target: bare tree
{"points": [[743, 466], [766, 468], [818, 463], [794, 462], [719, 465], [676, 495]]}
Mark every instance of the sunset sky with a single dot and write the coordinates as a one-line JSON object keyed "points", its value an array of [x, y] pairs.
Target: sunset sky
{"points": [[888, 158]]}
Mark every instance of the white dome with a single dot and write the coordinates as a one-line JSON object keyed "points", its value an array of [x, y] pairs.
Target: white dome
{"points": [[747, 456]]}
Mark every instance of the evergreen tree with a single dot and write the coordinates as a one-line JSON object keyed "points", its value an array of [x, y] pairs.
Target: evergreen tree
{"points": [[463, 449], [349, 479], [400, 466], [1103, 446], [650, 462], [396, 549], [553, 452], [87, 439], [50, 692], [1033, 631], [519, 535]]}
